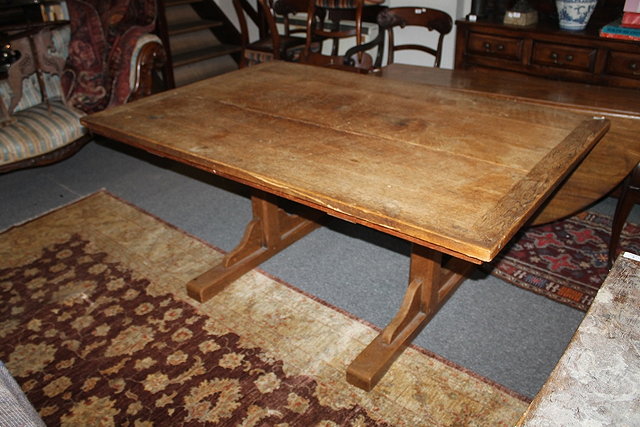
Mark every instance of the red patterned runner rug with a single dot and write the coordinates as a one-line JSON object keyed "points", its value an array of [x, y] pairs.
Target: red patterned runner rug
{"points": [[566, 260], [97, 329]]}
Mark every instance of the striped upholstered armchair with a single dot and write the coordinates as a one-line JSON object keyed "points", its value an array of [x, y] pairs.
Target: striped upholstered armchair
{"points": [[105, 56]]}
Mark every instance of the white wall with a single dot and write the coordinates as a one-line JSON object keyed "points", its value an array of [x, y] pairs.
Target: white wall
{"points": [[227, 7]]}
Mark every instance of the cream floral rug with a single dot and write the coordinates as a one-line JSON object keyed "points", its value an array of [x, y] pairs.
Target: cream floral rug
{"points": [[97, 329]]}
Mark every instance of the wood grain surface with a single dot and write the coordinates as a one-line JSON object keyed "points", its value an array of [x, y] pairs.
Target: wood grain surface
{"points": [[455, 171], [606, 165]]}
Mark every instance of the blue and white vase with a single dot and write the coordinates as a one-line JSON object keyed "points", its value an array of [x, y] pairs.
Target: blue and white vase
{"points": [[574, 14]]}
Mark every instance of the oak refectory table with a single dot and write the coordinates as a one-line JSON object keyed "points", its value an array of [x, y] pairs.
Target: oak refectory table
{"points": [[454, 173]]}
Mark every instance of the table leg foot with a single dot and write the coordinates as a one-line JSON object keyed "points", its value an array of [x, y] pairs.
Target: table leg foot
{"points": [[431, 282], [372, 363], [270, 231]]}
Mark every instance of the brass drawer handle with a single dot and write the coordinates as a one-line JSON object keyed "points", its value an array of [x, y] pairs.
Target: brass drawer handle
{"points": [[634, 68], [488, 47], [554, 57], [569, 58]]}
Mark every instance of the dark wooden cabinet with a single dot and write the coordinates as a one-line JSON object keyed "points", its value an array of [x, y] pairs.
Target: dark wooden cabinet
{"points": [[545, 50]]}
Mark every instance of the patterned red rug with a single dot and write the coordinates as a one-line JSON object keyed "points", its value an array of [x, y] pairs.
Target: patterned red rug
{"points": [[565, 260]]}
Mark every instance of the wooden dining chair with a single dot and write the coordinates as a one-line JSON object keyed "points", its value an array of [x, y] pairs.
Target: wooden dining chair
{"points": [[286, 8], [271, 44], [400, 17], [403, 17], [335, 32]]}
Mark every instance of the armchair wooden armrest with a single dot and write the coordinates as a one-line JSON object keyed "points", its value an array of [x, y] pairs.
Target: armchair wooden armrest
{"points": [[147, 61]]}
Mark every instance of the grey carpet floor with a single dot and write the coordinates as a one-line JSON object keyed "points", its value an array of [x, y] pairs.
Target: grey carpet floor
{"points": [[497, 330]]}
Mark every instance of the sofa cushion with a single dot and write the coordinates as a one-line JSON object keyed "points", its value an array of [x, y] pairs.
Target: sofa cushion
{"points": [[31, 94], [85, 75], [21, 90], [103, 37], [38, 131]]}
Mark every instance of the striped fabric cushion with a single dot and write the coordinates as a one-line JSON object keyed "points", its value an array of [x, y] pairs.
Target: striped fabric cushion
{"points": [[254, 57], [38, 131], [31, 94], [337, 4]]}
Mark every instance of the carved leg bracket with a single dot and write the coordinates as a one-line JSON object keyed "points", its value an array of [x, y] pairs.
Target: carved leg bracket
{"points": [[270, 231], [431, 282]]}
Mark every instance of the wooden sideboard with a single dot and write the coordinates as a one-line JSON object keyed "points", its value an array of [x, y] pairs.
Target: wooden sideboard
{"points": [[545, 50]]}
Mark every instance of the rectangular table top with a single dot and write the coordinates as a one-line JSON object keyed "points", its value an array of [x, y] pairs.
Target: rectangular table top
{"points": [[451, 170]]}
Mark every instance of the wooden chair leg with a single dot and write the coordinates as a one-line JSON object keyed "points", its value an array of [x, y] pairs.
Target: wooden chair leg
{"points": [[629, 196]]}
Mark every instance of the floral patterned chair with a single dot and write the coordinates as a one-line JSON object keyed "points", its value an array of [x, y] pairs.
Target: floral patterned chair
{"points": [[104, 57]]}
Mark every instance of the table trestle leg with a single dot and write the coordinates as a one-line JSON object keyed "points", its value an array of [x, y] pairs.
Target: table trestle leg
{"points": [[271, 230], [431, 282]]}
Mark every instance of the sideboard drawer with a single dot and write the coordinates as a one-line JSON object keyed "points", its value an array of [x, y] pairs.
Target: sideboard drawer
{"points": [[624, 64], [564, 56], [543, 50], [501, 47]]}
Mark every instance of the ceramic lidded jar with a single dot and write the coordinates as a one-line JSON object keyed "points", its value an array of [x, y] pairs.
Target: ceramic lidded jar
{"points": [[574, 14]]}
